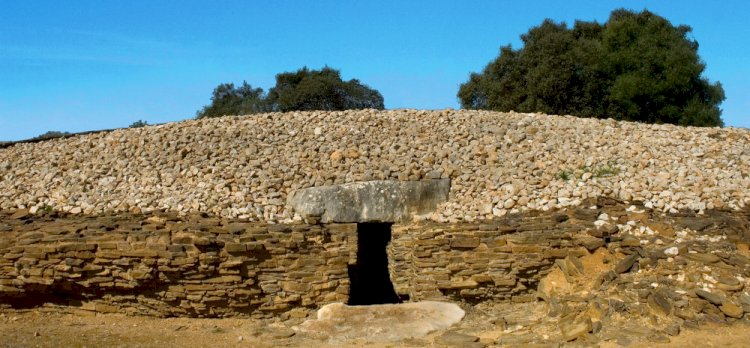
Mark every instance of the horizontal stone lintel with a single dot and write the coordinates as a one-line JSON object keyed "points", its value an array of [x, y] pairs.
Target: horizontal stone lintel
{"points": [[369, 201]]}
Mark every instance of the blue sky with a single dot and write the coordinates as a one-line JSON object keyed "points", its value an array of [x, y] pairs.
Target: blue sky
{"points": [[82, 65]]}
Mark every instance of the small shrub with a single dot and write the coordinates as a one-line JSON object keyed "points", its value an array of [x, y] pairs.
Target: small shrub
{"points": [[607, 170], [50, 135], [564, 175], [138, 124]]}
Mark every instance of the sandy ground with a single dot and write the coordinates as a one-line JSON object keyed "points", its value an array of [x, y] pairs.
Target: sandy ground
{"points": [[40, 329], [736, 335]]}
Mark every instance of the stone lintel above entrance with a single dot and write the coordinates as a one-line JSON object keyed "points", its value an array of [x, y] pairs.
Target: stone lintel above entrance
{"points": [[369, 201]]}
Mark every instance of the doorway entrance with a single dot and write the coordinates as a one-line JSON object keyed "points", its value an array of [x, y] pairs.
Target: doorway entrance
{"points": [[369, 277]]}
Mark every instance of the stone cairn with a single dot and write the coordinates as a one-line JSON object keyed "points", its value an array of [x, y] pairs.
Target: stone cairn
{"points": [[498, 163]]}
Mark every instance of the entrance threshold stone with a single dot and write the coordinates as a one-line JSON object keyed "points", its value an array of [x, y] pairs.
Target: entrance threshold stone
{"points": [[382, 323]]}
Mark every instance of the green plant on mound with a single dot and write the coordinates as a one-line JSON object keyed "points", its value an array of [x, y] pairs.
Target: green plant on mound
{"points": [[601, 171], [635, 67], [564, 175], [304, 89], [50, 135], [606, 170], [138, 124]]}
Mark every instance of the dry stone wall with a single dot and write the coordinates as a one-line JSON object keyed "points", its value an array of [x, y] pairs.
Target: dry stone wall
{"points": [[499, 260], [498, 163], [163, 264]]}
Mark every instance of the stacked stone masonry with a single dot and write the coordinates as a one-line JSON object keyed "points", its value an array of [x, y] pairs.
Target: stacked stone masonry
{"points": [[161, 264], [494, 260]]}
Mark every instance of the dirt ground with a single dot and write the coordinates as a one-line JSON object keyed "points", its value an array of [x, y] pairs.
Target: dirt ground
{"points": [[40, 329]]}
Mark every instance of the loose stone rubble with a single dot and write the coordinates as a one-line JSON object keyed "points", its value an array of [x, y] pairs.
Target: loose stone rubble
{"points": [[498, 163]]}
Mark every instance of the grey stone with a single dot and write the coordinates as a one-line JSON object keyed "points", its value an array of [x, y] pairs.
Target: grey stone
{"points": [[744, 299], [370, 201], [672, 330], [729, 283], [696, 224], [710, 297], [660, 303], [702, 257], [627, 263]]}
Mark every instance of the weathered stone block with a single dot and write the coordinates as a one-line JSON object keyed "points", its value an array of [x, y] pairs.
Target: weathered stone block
{"points": [[370, 201], [482, 278], [504, 281], [297, 287], [77, 247], [456, 285], [464, 243], [521, 249], [235, 247]]}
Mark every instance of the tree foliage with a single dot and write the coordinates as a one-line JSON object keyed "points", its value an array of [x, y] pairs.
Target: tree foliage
{"points": [[635, 67], [50, 135], [230, 100], [138, 124], [321, 90], [304, 89]]}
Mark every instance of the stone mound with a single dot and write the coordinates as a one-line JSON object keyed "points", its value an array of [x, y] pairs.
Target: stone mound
{"points": [[498, 163]]}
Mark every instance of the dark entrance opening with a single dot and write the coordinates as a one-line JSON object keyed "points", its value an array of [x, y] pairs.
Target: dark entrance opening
{"points": [[370, 281]]}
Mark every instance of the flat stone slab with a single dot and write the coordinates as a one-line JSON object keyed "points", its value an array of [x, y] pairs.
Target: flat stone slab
{"points": [[369, 201], [382, 323]]}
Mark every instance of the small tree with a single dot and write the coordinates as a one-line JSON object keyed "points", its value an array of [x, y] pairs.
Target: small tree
{"points": [[301, 90], [321, 90], [230, 100], [636, 67], [50, 135], [138, 124]]}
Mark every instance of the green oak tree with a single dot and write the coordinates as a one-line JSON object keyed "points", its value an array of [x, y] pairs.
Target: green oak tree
{"points": [[304, 89], [637, 67], [321, 89], [230, 100]]}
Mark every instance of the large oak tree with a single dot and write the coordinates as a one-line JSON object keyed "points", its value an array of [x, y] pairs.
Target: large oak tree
{"points": [[635, 67], [303, 89]]}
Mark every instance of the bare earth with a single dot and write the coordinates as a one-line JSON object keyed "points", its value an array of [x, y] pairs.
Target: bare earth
{"points": [[40, 329]]}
